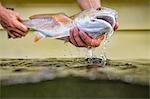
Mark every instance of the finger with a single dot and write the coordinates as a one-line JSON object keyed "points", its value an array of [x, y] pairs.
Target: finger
{"points": [[17, 35], [3, 25], [87, 39], [101, 37], [14, 28], [6, 28], [71, 38], [21, 27], [77, 38], [10, 34], [96, 42], [116, 26], [88, 46], [20, 32], [19, 17], [10, 29], [21, 20], [16, 31]]}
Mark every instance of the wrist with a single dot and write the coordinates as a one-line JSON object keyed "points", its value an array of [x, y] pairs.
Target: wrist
{"points": [[87, 4], [1, 7], [3, 10]]}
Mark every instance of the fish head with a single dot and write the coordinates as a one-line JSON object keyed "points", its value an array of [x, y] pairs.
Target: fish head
{"points": [[97, 22], [106, 14]]}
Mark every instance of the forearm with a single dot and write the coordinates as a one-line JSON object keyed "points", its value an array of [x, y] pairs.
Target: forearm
{"points": [[1, 11], [86, 4], [0, 4], [1, 7]]}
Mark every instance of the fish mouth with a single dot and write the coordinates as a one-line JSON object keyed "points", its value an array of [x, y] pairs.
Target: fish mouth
{"points": [[108, 19]]}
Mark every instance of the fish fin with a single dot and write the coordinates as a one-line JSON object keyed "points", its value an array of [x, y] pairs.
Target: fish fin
{"points": [[59, 17], [38, 36], [44, 15], [62, 38]]}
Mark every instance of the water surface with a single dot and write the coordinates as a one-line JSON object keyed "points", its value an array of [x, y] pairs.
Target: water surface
{"points": [[74, 88]]}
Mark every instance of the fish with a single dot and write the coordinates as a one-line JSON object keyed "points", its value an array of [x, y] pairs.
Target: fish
{"points": [[95, 22]]}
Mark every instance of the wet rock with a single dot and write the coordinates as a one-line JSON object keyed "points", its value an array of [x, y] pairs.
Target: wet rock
{"points": [[20, 70], [26, 70]]}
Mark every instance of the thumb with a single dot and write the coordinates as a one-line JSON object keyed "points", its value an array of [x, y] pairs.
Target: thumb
{"points": [[19, 18], [116, 26], [22, 25], [66, 39]]}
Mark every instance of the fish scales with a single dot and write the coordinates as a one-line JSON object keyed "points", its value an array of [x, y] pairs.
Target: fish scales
{"points": [[92, 21]]}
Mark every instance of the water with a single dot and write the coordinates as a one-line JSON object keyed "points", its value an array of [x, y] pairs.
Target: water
{"points": [[92, 56], [75, 88]]}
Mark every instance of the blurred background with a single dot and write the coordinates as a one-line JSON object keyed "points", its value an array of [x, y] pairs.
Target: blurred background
{"points": [[131, 41]]}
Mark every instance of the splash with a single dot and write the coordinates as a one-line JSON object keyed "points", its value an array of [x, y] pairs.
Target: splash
{"points": [[92, 58], [104, 46]]}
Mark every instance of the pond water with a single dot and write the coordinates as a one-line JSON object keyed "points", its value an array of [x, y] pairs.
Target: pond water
{"points": [[74, 88]]}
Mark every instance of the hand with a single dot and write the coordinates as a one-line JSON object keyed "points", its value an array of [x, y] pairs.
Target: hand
{"points": [[11, 21], [82, 39], [116, 26]]}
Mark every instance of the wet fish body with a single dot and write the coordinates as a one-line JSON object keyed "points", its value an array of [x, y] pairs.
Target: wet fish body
{"points": [[94, 22]]}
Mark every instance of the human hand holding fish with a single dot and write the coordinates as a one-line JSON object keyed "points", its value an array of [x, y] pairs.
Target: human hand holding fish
{"points": [[82, 39], [11, 21]]}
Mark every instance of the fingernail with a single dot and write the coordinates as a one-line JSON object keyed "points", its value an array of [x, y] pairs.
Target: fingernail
{"points": [[25, 27], [89, 47]]}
